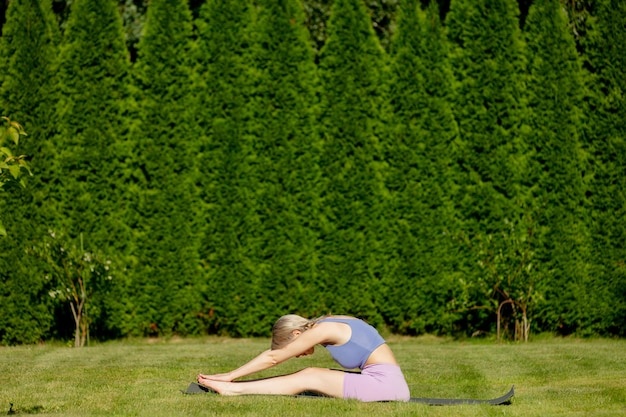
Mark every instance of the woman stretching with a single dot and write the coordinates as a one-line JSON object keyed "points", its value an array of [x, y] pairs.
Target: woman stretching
{"points": [[351, 342]]}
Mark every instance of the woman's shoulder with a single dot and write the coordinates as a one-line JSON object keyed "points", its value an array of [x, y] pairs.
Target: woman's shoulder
{"points": [[335, 330]]}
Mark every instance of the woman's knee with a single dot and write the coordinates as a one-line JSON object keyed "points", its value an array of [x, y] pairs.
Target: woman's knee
{"points": [[309, 371]]}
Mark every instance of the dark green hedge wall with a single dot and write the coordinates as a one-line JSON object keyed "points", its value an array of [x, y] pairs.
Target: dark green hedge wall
{"points": [[28, 49], [234, 172]]}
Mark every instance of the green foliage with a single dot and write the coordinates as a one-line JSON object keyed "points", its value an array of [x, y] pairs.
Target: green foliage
{"points": [[508, 279], [26, 311], [76, 278], [489, 65], [352, 114], [317, 13], [12, 167], [24, 317], [92, 144], [382, 12], [27, 51], [607, 188], [285, 174], [225, 158], [490, 108], [165, 238], [27, 56], [88, 191], [28, 43], [418, 295], [455, 188], [554, 174]]}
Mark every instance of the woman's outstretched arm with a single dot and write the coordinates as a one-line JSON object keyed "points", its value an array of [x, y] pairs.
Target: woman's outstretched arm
{"points": [[301, 344], [260, 363]]}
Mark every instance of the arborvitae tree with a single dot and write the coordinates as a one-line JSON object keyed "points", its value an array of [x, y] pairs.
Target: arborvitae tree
{"points": [[352, 73], [417, 295], [28, 48], [286, 173], [225, 156], [490, 65], [90, 182], [607, 145], [555, 168], [93, 88], [29, 41], [166, 281]]}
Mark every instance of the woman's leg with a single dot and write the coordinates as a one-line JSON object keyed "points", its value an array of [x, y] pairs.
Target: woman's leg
{"points": [[323, 381]]}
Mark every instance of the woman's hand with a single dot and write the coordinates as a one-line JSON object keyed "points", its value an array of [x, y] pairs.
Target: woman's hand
{"points": [[217, 377]]}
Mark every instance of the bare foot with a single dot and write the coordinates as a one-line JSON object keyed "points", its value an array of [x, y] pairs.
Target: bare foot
{"points": [[217, 386]]}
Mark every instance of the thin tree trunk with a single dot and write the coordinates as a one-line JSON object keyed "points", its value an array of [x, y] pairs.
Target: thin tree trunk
{"points": [[76, 325], [499, 316]]}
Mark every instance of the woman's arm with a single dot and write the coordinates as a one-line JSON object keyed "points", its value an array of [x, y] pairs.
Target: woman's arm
{"points": [[270, 358], [261, 362]]}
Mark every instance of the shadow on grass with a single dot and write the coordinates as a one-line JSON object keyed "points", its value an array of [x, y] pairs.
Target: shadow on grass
{"points": [[36, 409]]}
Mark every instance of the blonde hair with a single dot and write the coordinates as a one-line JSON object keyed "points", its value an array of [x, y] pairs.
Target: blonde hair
{"points": [[283, 329]]}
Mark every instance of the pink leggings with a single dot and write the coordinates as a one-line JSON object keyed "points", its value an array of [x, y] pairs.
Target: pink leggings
{"points": [[378, 382]]}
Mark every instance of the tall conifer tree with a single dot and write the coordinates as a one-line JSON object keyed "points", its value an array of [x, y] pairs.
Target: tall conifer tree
{"points": [[28, 49], [225, 155], [490, 67], [286, 171], [420, 174], [352, 72], [91, 143], [607, 144], [89, 186], [166, 284], [556, 165]]}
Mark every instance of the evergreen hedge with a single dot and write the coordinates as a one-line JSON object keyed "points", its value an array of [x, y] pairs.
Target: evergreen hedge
{"points": [[225, 157], [166, 234], [555, 174], [28, 49], [468, 181], [285, 174], [353, 115], [92, 142], [490, 108], [89, 188], [419, 294], [606, 143]]}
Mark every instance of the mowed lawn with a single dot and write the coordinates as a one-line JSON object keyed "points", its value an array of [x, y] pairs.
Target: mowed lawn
{"points": [[552, 377]]}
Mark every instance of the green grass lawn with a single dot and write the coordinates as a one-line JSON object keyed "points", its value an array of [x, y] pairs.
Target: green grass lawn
{"points": [[552, 377]]}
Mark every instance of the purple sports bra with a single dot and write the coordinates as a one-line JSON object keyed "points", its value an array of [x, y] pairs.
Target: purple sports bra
{"points": [[355, 352]]}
